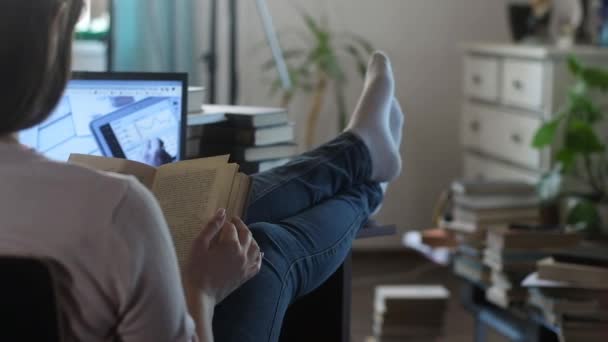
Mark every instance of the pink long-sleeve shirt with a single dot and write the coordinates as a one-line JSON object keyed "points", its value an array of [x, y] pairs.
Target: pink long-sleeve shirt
{"points": [[108, 233]]}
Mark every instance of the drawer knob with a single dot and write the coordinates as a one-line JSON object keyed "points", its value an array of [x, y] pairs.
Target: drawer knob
{"points": [[519, 85], [477, 80], [516, 138], [475, 126]]}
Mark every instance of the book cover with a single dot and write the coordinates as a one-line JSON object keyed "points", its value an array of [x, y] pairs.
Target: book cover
{"points": [[226, 133], [250, 153], [248, 116]]}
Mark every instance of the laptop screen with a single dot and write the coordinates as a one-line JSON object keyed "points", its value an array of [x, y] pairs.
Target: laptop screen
{"points": [[115, 115]]}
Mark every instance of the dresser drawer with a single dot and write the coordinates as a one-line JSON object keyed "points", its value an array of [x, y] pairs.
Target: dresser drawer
{"points": [[503, 134], [470, 126], [479, 168], [481, 78], [522, 84]]}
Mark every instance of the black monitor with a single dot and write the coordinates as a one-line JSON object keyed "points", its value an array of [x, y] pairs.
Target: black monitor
{"points": [[138, 116]]}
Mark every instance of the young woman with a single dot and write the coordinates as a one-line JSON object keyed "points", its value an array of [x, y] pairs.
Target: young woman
{"points": [[119, 278]]}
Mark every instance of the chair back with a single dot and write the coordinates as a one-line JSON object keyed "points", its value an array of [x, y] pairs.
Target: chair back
{"points": [[28, 305]]}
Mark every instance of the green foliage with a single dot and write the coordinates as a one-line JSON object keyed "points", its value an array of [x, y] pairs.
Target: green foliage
{"points": [[322, 55], [585, 217], [546, 134], [582, 152]]}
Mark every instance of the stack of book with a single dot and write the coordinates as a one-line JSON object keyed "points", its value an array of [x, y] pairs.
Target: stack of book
{"points": [[409, 313], [256, 138], [512, 254], [570, 290], [197, 119], [479, 206]]}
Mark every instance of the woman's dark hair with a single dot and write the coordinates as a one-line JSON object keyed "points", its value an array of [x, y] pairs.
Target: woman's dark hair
{"points": [[35, 58]]}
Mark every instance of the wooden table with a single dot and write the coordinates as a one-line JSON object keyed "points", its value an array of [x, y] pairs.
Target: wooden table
{"points": [[516, 325], [325, 314]]}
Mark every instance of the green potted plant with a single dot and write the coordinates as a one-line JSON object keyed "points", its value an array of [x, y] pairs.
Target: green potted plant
{"points": [[319, 66], [580, 172]]}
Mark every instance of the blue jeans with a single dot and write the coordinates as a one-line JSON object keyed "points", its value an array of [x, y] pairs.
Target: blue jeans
{"points": [[305, 216]]}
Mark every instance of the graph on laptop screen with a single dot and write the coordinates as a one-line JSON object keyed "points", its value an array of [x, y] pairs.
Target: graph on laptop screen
{"points": [[139, 120]]}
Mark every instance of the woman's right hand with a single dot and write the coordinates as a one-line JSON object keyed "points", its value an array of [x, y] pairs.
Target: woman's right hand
{"points": [[224, 256]]}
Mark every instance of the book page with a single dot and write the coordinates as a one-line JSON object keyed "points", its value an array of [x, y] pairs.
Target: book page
{"points": [[243, 196], [188, 197], [143, 172], [234, 196], [217, 160], [229, 173]]}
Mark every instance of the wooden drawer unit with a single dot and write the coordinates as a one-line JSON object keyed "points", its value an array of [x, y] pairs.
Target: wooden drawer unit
{"points": [[481, 79], [523, 83], [470, 126], [500, 133], [481, 168], [508, 91]]}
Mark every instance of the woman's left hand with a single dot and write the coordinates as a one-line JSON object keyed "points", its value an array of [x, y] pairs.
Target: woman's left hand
{"points": [[224, 257]]}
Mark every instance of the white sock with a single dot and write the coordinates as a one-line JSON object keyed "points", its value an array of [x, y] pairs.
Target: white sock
{"points": [[372, 119], [397, 121], [396, 125]]}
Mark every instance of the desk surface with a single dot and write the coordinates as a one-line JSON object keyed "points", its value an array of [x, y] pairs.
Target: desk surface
{"points": [[374, 229], [441, 256]]}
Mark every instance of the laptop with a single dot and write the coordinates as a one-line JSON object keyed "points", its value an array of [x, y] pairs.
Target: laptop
{"points": [[137, 116]]}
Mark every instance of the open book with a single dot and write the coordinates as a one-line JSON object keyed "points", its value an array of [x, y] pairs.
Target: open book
{"points": [[189, 192]]}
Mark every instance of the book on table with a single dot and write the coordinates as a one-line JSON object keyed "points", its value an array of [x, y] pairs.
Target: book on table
{"points": [[250, 168], [532, 240], [573, 273], [189, 193], [409, 311], [472, 269], [504, 297], [249, 116], [558, 301], [493, 188], [196, 97], [226, 133], [250, 153], [497, 216]]}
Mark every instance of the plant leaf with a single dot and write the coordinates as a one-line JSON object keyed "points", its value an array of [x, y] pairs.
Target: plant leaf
{"points": [[583, 107], [365, 44], [585, 216], [546, 133], [580, 138], [312, 25], [359, 60], [574, 65], [567, 158], [287, 54], [595, 77]]}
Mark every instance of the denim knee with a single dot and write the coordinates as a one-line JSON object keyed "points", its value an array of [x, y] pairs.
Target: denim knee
{"points": [[274, 243]]}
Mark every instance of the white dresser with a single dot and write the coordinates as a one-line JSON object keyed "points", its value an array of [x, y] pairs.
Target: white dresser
{"points": [[508, 91]]}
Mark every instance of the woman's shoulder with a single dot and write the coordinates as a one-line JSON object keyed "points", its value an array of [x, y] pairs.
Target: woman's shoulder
{"points": [[107, 189]]}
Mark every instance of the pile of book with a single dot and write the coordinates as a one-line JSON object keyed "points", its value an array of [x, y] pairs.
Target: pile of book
{"points": [[480, 205], [409, 312], [512, 254], [256, 138], [197, 119], [570, 290]]}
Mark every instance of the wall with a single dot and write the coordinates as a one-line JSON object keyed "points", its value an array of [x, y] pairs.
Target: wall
{"points": [[422, 37]]}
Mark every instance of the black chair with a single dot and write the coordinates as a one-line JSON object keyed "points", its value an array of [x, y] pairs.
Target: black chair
{"points": [[28, 306]]}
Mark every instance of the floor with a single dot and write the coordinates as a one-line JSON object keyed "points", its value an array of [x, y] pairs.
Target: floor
{"points": [[385, 268]]}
